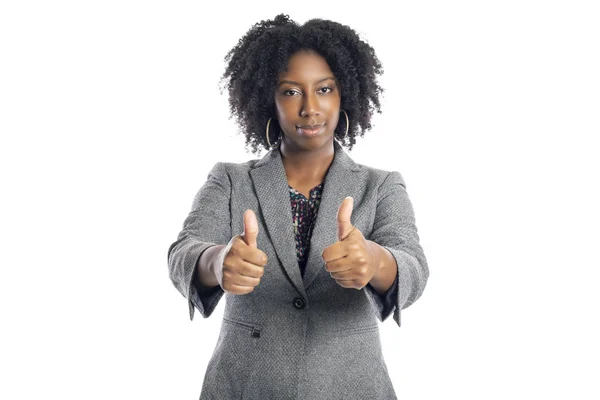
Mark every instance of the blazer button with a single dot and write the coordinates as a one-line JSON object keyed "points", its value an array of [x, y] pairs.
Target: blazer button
{"points": [[299, 303]]}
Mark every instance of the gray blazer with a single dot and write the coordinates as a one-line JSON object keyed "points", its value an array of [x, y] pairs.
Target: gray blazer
{"points": [[298, 337]]}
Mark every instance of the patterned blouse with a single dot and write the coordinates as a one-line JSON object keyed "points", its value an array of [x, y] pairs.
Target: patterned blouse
{"points": [[304, 213]]}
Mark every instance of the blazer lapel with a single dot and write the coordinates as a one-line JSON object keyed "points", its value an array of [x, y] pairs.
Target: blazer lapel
{"points": [[271, 185], [344, 178]]}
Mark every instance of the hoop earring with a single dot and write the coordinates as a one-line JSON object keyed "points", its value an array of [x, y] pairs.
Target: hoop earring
{"points": [[347, 124], [268, 141]]}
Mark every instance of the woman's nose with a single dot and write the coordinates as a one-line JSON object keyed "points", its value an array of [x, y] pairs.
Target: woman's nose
{"points": [[310, 106]]}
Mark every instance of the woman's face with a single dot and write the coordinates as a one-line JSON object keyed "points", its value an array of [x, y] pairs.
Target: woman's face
{"points": [[307, 95]]}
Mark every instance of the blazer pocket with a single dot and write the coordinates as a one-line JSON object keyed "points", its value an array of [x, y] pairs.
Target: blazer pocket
{"points": [[356, 331], [253, 329], [234, 359]]}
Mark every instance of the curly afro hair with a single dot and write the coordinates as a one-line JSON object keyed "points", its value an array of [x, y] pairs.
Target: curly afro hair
{"points": [[262, 54]]}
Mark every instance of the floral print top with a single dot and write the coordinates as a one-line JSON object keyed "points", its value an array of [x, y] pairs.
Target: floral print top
{"points": [[304, 213]]}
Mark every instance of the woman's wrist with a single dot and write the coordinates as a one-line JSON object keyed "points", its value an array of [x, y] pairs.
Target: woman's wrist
{"points": [[205, 268]]}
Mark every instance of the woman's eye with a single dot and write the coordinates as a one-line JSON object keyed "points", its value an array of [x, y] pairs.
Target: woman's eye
{"points": [[326, 88], [290, 92]]}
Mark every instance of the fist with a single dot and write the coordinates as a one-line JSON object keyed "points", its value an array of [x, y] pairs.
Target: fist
{"points": [[242, 263], [352, 261]]}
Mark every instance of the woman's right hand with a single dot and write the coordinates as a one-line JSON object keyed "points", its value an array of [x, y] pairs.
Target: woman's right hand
{"points": [[240, 264]]}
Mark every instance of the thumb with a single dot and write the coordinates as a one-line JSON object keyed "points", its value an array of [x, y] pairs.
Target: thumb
{"points": [[343, 218], [250, 228]]}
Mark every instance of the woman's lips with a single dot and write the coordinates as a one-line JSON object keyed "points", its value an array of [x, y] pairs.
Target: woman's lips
{"points": [[310, 132]]}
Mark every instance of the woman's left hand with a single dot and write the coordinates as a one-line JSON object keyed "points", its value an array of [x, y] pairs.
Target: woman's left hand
{"points": [[352, 261]]}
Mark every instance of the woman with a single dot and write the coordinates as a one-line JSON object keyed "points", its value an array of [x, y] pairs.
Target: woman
{"points": [[304, 291]]}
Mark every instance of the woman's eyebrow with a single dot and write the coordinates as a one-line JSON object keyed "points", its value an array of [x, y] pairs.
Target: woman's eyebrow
{"points": [[296, 83]]}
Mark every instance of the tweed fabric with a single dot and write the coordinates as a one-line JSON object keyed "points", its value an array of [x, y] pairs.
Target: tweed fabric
{"points": [[299, 336]]}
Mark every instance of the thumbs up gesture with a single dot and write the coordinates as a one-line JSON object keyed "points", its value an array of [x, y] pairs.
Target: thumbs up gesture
{"points": [[243, 263], [351, 261]]}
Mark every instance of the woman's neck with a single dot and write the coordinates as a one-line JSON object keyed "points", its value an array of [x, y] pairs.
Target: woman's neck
{"points": [[307, 165]]}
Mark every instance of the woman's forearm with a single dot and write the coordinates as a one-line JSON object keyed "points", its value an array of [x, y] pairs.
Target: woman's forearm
{"points": [[386, 270], [205, 275]]}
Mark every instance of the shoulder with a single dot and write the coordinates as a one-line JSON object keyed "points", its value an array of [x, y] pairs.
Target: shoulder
{"points": [[233, 168], [381, 177], [231, 172]]}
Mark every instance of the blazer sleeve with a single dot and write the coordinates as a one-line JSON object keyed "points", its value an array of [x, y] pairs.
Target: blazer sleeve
{"points": [[394, 228], [208, 224]]}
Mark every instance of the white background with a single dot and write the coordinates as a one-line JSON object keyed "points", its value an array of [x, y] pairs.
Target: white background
{"points": [[111, 118]]}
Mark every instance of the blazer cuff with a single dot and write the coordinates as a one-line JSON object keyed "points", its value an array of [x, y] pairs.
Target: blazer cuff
{"points": [[410, 281], [404, 291], [385, 303], [203, 298]]}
